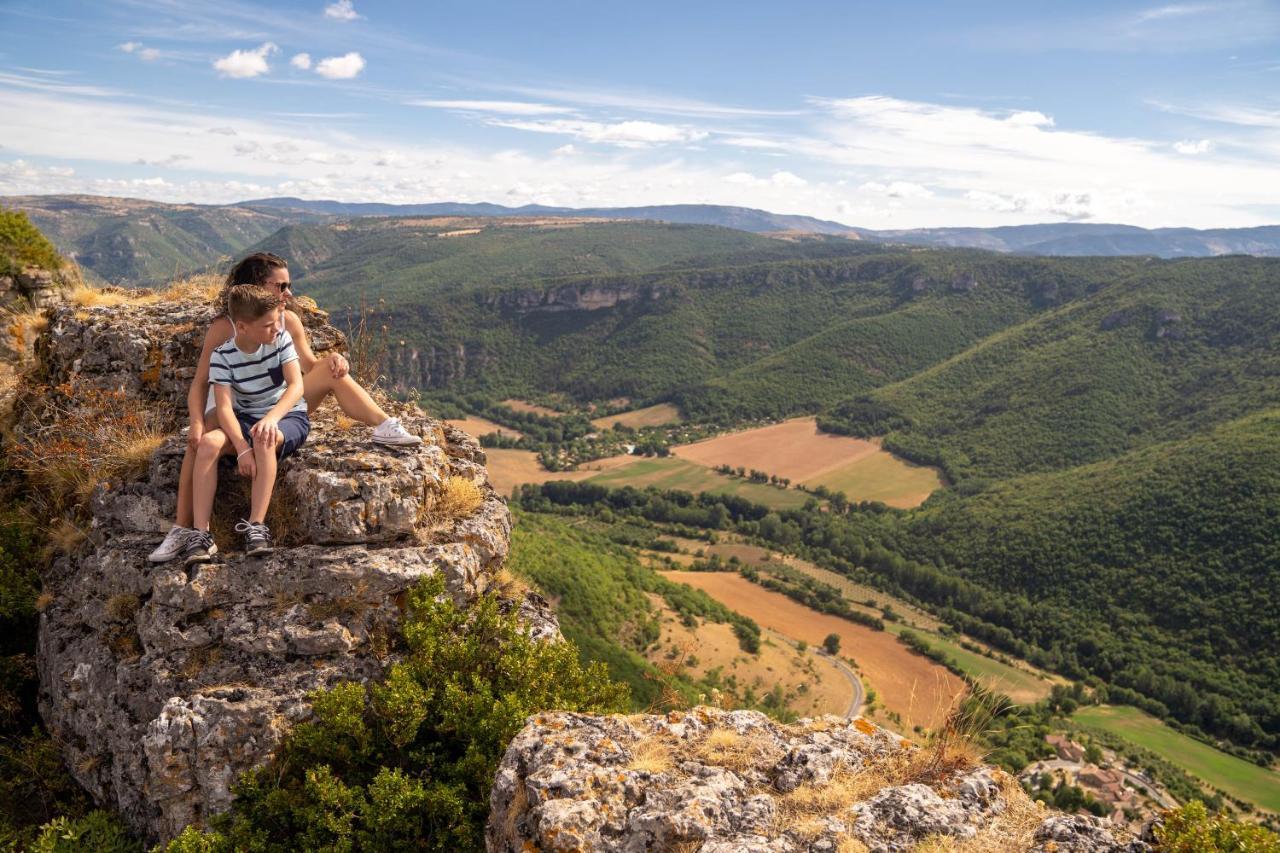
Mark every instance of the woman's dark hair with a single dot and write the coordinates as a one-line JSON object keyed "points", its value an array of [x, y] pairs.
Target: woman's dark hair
{"points": [[253, 269]]}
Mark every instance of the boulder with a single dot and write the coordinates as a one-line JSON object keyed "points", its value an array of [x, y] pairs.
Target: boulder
{"points": [[162, 685]]}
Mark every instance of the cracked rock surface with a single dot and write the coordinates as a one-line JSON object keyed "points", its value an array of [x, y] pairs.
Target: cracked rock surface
{"points": [[737, 782], [162, 686]]}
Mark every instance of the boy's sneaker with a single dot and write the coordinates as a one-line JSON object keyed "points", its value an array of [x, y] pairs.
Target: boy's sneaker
{"points": [[172, 545], [199, 548], [257, 538], [391, 432]]}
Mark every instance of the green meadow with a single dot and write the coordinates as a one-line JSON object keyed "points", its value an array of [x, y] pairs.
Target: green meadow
{"points": [[673, 473], [1237, 777]]}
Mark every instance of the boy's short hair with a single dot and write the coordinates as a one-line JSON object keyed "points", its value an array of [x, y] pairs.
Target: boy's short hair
{"points": [[248, 302]]}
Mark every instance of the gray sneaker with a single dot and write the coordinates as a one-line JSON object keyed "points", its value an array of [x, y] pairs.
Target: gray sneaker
{"points": [[199, 548], [174, 541], [257, 538]]}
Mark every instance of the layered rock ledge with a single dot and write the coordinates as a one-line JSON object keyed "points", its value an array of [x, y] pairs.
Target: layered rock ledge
{"points": [[736, 782], [162, 686]]}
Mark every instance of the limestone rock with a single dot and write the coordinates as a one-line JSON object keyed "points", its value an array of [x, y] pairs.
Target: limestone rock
{"points": [[163, 685], [734, 782]]}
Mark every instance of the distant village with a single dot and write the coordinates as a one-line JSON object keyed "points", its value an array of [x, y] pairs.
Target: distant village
{"points": [[1129, 795]]}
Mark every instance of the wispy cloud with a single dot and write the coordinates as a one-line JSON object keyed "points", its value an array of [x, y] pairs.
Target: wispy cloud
{"points": [[625, 134], [301, 61], [523, 108]]}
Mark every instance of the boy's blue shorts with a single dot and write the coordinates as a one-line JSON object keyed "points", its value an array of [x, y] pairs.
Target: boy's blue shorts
{"points": [[294, 425]]}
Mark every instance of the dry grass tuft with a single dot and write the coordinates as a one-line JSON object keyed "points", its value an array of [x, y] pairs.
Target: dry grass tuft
{"points": [[204, 287], [849, 844], [846, 787], [198, 660], [122, 607], [508, 585], [84, 296], [43, 600], [24, 325], [515, 810], [76, 436], [651, 756], [735, 751], [65, 536], [458, 498]]}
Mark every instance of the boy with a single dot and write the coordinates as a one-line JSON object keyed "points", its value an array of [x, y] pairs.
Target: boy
{"points": [[257, 387]]}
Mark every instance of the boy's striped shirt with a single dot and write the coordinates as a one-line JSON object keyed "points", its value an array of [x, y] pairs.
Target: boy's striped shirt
{"points": [[256, 378]]}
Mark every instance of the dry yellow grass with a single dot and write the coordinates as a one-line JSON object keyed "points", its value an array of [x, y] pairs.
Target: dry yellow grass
{"points": [[730, 749], [65, 536], [458, 498], [651, 756], [23, 325], [84, 296], [43, 600], [204, 287]]}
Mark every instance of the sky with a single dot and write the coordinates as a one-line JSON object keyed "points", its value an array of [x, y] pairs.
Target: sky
{"points": [[879, 115]]}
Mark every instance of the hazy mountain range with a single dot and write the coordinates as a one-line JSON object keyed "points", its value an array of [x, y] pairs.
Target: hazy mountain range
{"points": [[138, 241]]}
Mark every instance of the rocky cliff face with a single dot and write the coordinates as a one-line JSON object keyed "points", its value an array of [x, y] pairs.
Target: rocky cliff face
{"points": [[163, 685], [736, 782]]}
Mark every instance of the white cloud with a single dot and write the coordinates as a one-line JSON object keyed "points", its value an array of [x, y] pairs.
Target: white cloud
{"points": [[1191, 146], [130, 46], [508, 107], [625, 134], [301, 61], [341, 67], [146, 54], [896, 189], [223, 131], [343, 10], [566, 151], [246, 63]]}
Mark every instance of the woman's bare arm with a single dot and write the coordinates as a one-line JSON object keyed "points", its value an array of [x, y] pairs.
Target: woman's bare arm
{"points": [[301, 343]]}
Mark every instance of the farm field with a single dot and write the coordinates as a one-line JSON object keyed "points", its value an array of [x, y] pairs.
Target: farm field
{"points": [[1235, 776], [713, 645], [509, 468], [672, 473], [531, 408], [882, 477], [476, 427], [1020, 685], [656, 415], [796, 450], [917, 689]]}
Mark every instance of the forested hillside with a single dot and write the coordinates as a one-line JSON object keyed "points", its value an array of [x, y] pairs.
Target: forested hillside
{"points": [[135, 242], [1160, 353]]}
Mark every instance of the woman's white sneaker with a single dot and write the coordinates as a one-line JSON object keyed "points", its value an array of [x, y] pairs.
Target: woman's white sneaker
{"points": [[172, 545], [391, 432]]}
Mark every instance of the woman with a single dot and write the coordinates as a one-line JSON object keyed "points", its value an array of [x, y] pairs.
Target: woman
{"points": [[321, 377]]}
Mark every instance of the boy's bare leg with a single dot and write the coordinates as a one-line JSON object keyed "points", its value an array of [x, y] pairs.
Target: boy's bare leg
{"points": [[204, 476], [353, 399], [264, 482], [185, 511]]}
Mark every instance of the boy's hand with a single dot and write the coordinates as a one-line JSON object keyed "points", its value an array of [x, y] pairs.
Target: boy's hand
{"points": [[266, 432], [195, 433], [338, 365], [246, 464]]}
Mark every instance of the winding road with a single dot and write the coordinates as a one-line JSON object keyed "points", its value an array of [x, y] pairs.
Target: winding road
{"points": [[855, 704]]}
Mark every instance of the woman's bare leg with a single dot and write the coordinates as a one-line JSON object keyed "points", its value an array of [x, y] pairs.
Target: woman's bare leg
{"points": [[185, 515], [204, 475], [318, 383]]}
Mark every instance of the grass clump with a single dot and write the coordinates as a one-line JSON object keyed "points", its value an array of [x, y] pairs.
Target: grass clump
{"points": [[408, 763], [458, 498]]}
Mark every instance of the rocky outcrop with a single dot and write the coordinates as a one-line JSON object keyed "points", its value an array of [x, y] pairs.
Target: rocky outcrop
{"points": [[712, 780], [162, 685], [39, 288], [584, 296]]}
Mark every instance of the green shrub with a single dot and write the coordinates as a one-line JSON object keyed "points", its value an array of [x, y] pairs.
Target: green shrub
{"points": [[1191, 829], [99, 831], [22, 244], [408, 763]]}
